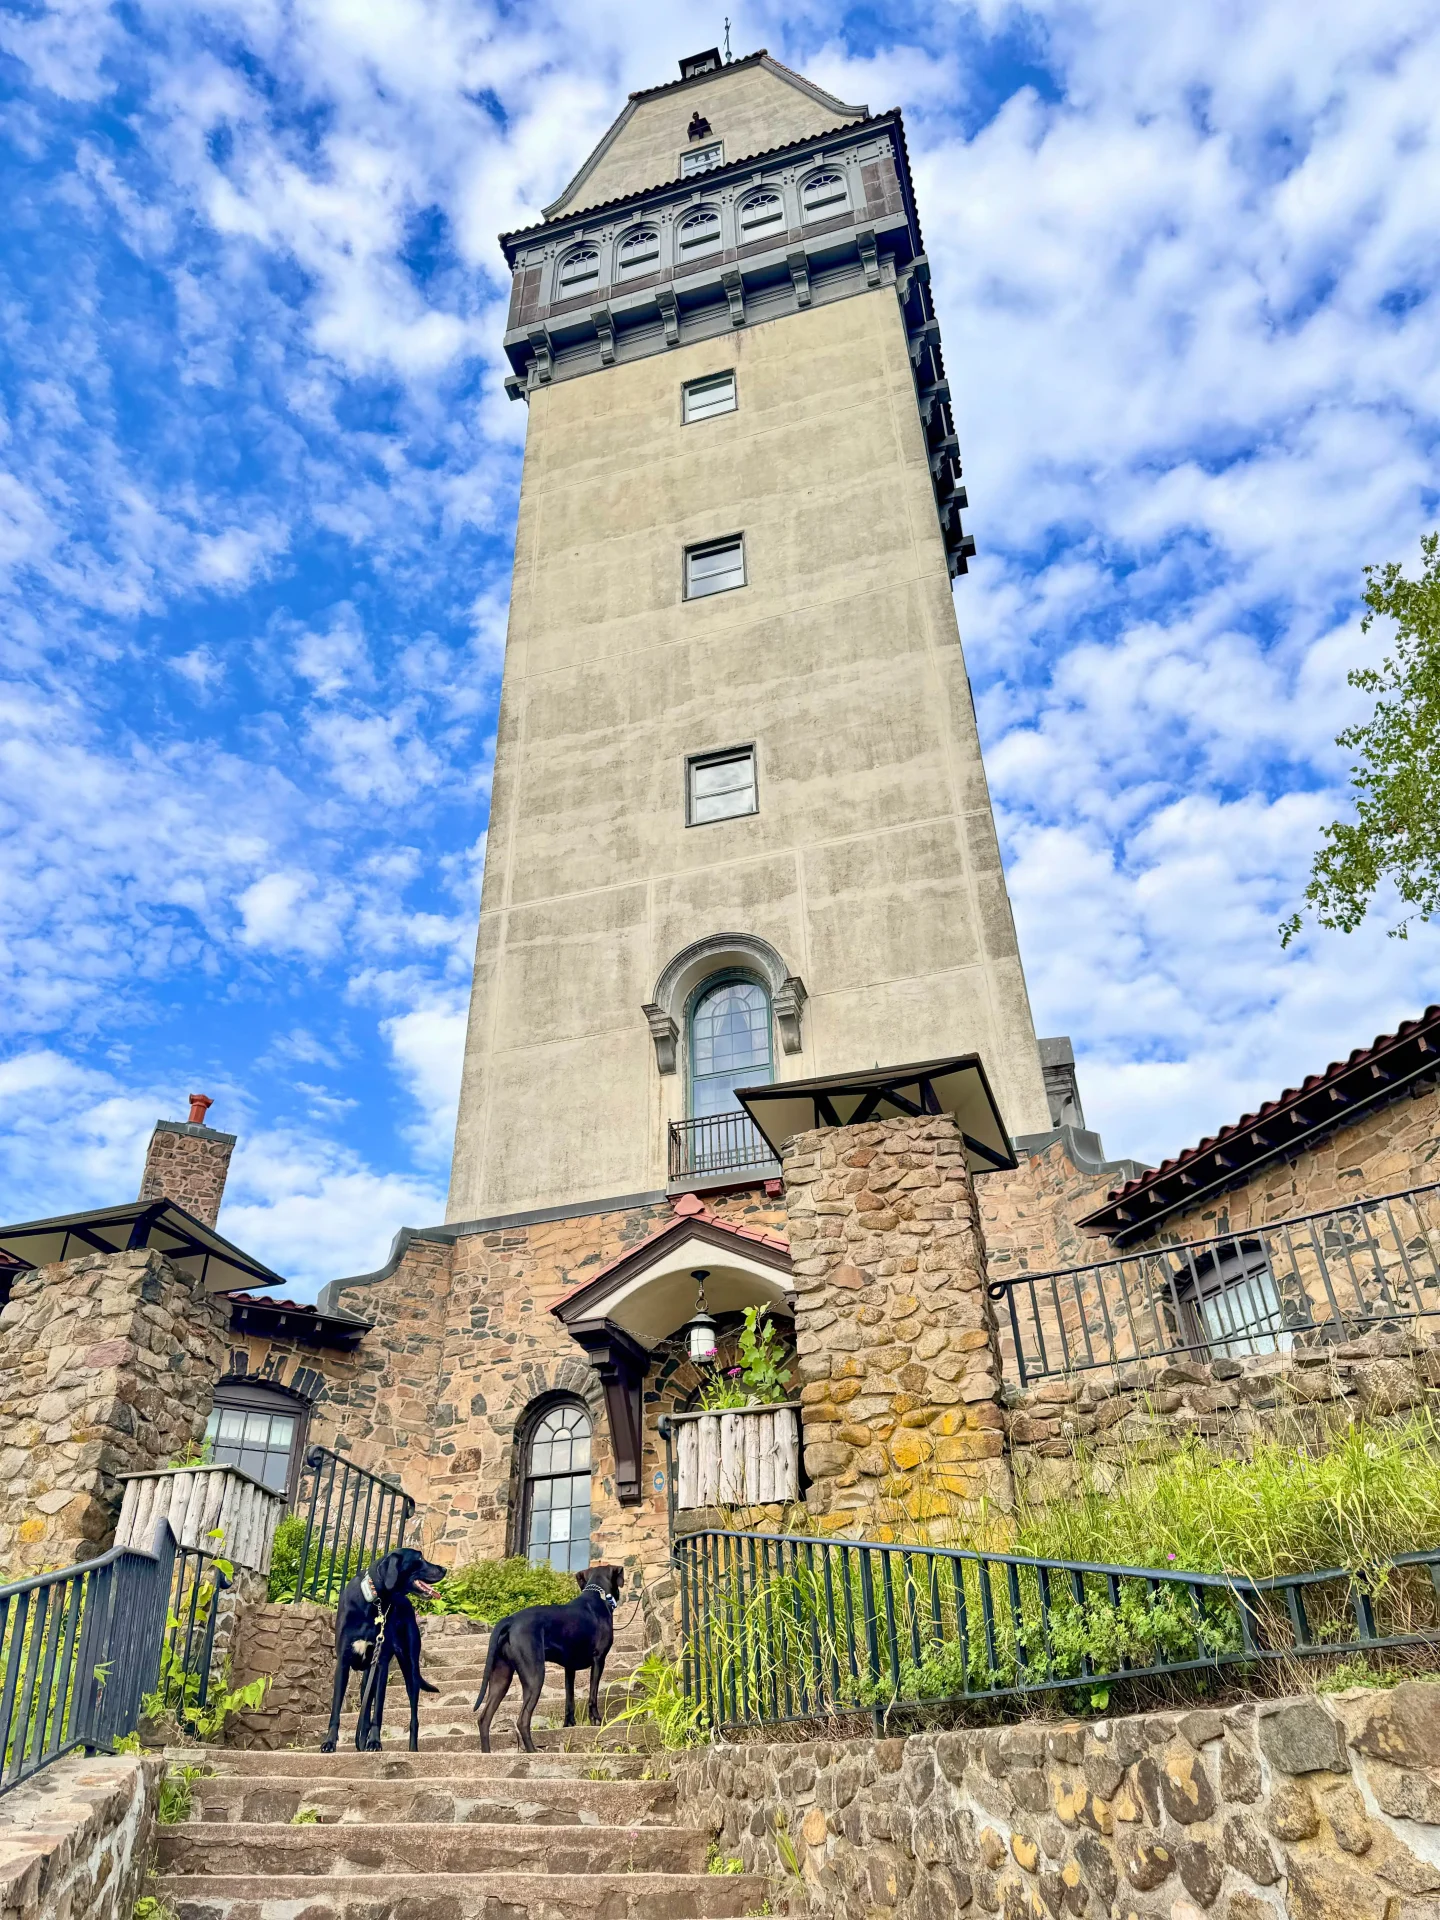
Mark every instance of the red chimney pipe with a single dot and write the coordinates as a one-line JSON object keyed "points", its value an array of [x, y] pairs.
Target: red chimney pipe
{"points": [[200, 1105]]}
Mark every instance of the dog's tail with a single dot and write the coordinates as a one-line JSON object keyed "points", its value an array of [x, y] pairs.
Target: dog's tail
{"points": [[498, 1634]]}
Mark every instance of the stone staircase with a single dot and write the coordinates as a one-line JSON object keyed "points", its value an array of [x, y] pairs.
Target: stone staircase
{"points": [[583, 1829]]}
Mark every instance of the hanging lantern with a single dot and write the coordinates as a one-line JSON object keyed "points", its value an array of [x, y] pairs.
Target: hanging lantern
{"points": [[700, 1328]]}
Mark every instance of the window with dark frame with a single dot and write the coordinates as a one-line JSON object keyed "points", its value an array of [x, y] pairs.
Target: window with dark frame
{"points": [[259, 1428], [556, 1510], [715, 567], [1231, 1303], [720, 786], [703, 399]]}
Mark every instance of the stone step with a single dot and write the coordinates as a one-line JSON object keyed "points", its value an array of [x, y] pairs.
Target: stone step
{"points": [[455, 1678], [423, 1848], [459, 1734], [458, 1703], [276, 1797], [454, 1896], [507, 1764]]}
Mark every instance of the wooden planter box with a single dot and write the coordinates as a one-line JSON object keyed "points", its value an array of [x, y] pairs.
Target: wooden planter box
{"points": [[198, 1501], [745, 1457]]}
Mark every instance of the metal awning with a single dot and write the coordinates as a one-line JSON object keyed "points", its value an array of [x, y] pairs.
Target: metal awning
{"points": [[957, 1086], [196, 1249]]}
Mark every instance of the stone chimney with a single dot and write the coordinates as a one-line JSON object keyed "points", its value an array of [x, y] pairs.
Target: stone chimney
{"points": [[188, 1161]]}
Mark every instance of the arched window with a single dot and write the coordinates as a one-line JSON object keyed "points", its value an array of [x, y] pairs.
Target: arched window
{"points": [[762, 213], [699, 231], [824, 193], [579, 269], [638, 251], [259, 1427], [729, 1043], [555, 1515]]}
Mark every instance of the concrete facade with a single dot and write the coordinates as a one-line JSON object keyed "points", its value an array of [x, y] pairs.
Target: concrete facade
{"points": [[871, 866]]}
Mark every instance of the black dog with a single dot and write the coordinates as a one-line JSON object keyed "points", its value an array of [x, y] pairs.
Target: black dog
{"points": [[574, 1636], [376, 1623]]}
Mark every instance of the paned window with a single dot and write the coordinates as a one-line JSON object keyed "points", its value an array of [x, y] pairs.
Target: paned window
{"points": [[714, 568], [721, 786], [729, 1044], [824, 193], [639, 250], [699, 231], [703, 399], [579, 270], [557, 1489], [701, 159], [762, 213], [257, 1442], [1230, 1299]]}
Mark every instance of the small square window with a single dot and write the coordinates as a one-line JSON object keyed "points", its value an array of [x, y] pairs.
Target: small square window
{"points": [[704, 398], [721, 786], [714, 568], [700, 159]]}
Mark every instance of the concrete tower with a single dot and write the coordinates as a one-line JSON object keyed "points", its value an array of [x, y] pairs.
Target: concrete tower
{"points": [[740, 830]]}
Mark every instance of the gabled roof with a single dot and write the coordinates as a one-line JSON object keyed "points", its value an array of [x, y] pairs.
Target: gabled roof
{"points": [[1275, 1131], [760, 59]]}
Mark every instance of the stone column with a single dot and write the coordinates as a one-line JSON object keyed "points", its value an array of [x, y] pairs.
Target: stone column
{"points": [[188, 1162], [108, 1365], [900, 1370]]}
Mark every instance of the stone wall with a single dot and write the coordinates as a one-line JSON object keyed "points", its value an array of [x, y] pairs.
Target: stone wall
{"points": [[1320, 1809], [294, 1646], [76, 1840], [893, 1327], [108, 1365]]}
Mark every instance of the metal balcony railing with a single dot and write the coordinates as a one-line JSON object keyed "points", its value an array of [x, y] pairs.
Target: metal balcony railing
{"points": [[720, 1143], [1322, 1277]]}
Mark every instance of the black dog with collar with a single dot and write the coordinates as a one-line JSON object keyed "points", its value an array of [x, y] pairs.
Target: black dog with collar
{"points": [[573, 1636], [374, 1624]]}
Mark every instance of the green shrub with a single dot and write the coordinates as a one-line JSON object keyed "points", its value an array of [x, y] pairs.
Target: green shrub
{"points": [[325, 1573], [487, 1590]]}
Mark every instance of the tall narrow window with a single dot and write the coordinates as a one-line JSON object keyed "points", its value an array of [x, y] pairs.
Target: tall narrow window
{"points": [[700, 159], [703, 399], [715, 568], [824, 193], [729, 1044], [721, 786], [557, 1489]]}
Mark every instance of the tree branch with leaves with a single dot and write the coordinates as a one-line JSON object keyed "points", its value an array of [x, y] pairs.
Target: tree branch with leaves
{"points": [[1395, 835]]}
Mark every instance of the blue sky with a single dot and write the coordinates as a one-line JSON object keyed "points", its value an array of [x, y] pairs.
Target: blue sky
{"points": [[258, 482]]}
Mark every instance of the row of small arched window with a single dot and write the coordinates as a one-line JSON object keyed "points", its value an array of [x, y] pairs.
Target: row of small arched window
{"points": [[759, 214]]}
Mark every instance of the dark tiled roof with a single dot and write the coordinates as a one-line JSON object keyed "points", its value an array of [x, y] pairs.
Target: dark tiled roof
{"points": [[1367, 1078]]}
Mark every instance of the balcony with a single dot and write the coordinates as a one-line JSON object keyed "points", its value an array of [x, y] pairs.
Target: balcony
{"points": [[1316, 1280], [718, 1150]]}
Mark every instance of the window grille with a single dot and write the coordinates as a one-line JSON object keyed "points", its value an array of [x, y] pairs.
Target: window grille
{"points": [[729, 1043], [579, 269], [557, 1489], [714, 568], [699, 230], [824, 193], [638, 250], [700, 159], [760, 214], [705, 398], [721, 786]]}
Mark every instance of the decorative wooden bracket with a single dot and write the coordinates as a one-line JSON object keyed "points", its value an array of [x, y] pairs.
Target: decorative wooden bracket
{"points": [[621, 1363]]}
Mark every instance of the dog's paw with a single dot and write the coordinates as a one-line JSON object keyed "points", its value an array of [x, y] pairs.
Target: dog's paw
{"points": [[327, 1746], [372, 1745]]}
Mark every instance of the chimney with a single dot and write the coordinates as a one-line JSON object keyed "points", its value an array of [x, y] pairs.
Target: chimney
{"points": [[187, 1162]]}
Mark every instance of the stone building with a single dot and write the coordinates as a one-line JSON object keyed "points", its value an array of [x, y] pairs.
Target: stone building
{"points": [[749, 1025]]}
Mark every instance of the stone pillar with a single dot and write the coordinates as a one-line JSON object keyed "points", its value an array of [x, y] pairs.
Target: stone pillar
{"points": [[108, 1365], [187, 1162], [900, 1370]]}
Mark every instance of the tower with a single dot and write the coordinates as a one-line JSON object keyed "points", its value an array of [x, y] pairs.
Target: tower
{"points": [[740, 829]]}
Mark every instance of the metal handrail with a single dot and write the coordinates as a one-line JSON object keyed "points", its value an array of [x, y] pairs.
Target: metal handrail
{"points": [[787, 1627], [353, 1517], [79, 1650], [1323, 1275], [718, 1143]]}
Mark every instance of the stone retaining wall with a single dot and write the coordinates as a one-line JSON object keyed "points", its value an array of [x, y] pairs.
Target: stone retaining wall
{"points": [[76, 1840], [1320, 1808], [294, 1643]]}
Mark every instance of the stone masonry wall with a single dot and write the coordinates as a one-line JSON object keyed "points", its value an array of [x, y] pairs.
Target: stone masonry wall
{"points": [[108, 1365], [75, 1842], [1309, 1808], [294, 1645], [188, 1164], [893, 1326]]}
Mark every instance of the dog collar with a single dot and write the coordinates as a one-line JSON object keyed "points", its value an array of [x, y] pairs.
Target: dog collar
{"points": [[367, 1588]]}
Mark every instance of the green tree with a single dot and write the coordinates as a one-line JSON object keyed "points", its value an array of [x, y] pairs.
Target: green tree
{"points": [[1395, 835]]}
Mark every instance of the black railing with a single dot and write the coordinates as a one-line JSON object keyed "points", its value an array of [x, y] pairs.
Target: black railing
{"points": [[1323, 1276], [719, 1143], [352, 1518], [784, 1627]]}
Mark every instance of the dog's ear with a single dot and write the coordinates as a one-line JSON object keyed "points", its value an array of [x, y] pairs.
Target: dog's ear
{"points": [[386, 1574], [617, 1579], [582, 1580]]}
